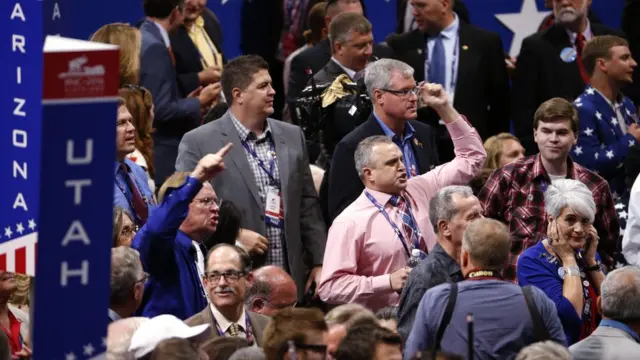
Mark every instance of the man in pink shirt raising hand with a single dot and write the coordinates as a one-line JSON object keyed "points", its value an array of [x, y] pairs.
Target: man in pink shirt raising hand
{"points": [[370, 242]]}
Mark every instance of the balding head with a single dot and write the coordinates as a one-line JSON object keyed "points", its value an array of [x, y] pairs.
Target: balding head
{"points": [[485, 245], [119, 334], [272, 289]]}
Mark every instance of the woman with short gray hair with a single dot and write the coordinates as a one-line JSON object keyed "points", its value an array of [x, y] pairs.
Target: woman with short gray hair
{"points": [[566, 265]]}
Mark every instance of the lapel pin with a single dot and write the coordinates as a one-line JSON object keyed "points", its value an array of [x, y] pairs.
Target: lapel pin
{"points": [[417, 143], [465, 47], [419, 51]]}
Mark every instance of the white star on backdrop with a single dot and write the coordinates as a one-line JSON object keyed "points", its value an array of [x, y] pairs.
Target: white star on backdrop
{"points": [[32, 224], [610, 154], [522, 24], [598, 115], [578, 150], [590, 91], [88, 349], [70, 356], [588, 131], [19, 228], [8, 232]]}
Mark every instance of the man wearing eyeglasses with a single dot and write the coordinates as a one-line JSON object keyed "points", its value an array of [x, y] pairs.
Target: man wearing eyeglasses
{"points": [[393, 91], [171, 242], [127, 283], [228, 270]]}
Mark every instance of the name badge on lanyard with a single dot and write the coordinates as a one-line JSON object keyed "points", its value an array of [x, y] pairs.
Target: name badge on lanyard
{"points": [[273, 209]]}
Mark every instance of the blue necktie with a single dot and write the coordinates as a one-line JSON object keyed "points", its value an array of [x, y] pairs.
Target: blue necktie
{"points": [[436, 65]]}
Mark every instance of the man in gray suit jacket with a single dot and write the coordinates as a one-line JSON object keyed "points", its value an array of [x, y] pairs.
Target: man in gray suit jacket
{"points": [[268, 176], [227, 272], [616, 338]]}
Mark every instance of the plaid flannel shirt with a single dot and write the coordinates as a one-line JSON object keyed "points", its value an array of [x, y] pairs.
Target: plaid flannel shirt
{"points": [[514, 194], [262, 146]]}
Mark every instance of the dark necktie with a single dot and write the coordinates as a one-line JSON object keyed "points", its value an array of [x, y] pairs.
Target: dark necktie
{"points": [[172, 55], [409, 227], [436, 64], [580, 40], [139, 205]]}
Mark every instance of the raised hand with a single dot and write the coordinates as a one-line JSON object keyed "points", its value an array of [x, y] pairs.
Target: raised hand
{"points": [[558, 243], [433, 95], [211, 164]]}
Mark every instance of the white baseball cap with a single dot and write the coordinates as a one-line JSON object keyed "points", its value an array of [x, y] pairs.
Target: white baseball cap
{"points": [[160, 328]]}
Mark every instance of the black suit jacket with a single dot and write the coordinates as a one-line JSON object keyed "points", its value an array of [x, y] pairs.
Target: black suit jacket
{"points": [[458, 7], [188, 63], [631, 27], [316, 58], [344, 183], [541, 75], [329, 72], [482, 87]]}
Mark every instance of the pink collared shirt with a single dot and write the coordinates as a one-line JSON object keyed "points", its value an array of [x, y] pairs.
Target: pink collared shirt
{"points": [[362, 247]]}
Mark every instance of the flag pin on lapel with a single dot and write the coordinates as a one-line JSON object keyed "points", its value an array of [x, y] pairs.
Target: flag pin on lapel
{"points": [[465, 47]]}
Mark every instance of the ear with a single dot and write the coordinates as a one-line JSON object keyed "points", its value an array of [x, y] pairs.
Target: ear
{"points": [[599, 304], [464, 259], [366, 173], [249, 277], [138, 291], [377, 96], [237, 96], [257, 305], [443, 228]]}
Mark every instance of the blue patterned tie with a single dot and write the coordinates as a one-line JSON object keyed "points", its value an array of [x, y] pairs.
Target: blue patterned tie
{"points": [[436, 64], [408, 225]]}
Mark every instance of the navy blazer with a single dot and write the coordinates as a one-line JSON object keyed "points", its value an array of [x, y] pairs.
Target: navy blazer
{"points": [[174, 285], [602, 147]]}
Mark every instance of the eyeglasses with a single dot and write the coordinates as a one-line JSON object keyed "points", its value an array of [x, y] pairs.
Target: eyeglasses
{"points": [[208, 202], [128, 230], [144, 279], [231, 276], [312, 347], [403, 93], [279, 307], [138, 88]]}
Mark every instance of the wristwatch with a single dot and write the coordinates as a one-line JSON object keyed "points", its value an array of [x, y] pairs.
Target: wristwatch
{"points": [[572, 270], [596, 267]]}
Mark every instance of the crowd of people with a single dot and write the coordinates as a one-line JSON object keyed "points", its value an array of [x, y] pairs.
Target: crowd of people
{"points": [[333, 197]]}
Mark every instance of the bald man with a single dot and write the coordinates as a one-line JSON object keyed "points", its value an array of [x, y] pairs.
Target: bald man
{"points": [[272, 289]]}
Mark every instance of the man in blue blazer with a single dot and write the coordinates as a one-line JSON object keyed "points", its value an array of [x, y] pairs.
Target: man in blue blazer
{"points": [[608, 119], [174, 116]]}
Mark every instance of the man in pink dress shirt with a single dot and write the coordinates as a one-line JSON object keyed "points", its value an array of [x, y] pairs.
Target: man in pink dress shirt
{"points": [[369, 243]]}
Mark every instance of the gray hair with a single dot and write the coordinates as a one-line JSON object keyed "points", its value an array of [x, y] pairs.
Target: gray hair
{"points": [[125, 271], [441, 206], [248, 353], [346, 313], [545, 350], [259, 288], [378, 73], [488, 244], [620, 295], [119, 334], [569, 193], [362, 156]]}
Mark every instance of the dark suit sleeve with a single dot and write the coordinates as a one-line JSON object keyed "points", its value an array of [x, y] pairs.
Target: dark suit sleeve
{"points": [[298, 78], [188, 82], [631, 27], [344, 184], [154, 64], [312, 229], [524, 92], [411, 296], [383, 51], [498, 89]]}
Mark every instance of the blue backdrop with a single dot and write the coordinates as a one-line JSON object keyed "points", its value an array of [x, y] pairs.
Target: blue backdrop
{"points": [[90, 15]]}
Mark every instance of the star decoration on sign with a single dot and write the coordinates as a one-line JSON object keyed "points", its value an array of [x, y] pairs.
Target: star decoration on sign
{"points": [[8, 232], [598, 115], [588, 131], [19, 228], [609, 154], [522, 24], [590, 91], [614, 121], [578, 150], [32, 224]]}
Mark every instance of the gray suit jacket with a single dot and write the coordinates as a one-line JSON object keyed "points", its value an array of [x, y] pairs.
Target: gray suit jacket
{"points": [[258, 323], [305, 232], [606, 343]]}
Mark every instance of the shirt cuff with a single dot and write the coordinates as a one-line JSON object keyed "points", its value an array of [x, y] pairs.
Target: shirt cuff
{"points": [[459, 128], [381, 283]]}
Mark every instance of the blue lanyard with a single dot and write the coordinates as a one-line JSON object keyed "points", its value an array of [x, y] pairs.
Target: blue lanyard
{"points": [[248, 330], [620, 326], [394, 226], [272, 163]]}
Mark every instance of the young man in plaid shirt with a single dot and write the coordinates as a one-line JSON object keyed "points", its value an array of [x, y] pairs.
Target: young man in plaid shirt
{"points": [[514, 193]]}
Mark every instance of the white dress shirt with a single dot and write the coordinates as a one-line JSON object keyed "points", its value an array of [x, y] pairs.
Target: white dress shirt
{"points": [[631, 237], [349, 72], [164, 34], [224, 323]]}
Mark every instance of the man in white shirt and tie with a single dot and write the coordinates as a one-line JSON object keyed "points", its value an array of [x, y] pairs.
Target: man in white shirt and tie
{"points": [[227, 272]]}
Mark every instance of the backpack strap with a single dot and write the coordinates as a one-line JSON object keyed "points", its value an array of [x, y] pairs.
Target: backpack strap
{"points": [[540, 332], [446, 318]]}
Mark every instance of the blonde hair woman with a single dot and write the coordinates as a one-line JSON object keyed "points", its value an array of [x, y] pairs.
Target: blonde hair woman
{"points": [[128, 38], [501, 149]]}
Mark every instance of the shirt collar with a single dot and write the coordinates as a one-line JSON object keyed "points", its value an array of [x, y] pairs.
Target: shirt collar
{"points": [[409, 131], [448, 263], [621, 326], [164, 34], [449, 32], [587, 33], [381, 198], [540, 172], [117, 165], [198, 23], [245, 134], [184, 240], [349, 72], [224, 323], [615, 105], [114, 315]]}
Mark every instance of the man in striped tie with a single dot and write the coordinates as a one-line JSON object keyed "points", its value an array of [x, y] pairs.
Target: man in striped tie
{"points": [[370, 242]]}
